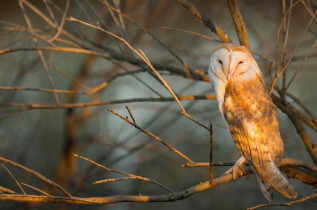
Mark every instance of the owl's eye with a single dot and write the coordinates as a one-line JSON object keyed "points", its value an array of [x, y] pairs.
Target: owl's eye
{"points": [[220, 61], [240, 62]]}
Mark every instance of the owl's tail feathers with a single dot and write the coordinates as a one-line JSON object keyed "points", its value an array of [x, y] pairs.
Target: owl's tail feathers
{"points": [[272, 176], [266, 189]]}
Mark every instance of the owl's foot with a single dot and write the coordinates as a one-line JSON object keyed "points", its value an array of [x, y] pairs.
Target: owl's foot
{"points": [[238, 169]]}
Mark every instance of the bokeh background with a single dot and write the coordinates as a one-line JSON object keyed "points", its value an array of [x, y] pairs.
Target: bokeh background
{"points": [[37, 138]]}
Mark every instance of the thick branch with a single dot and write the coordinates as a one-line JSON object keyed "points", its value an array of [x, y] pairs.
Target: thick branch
{"points": [[120, 198], [102, 103], [238, 22], [299, 127]]}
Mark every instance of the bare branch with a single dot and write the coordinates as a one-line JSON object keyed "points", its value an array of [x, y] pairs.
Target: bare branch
{"points": [[131, 115], [123, 173], [211, 137], [238, 22], [36, 189], [2, 159], [62, 23], [13, 177], [120, 198], [153, 136], [101, 103], [6, 190]]}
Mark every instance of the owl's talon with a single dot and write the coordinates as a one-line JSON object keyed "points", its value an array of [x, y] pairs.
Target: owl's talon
{"points": [[238, 169]]}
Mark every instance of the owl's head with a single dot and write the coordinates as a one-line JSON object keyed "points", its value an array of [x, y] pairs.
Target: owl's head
{"points": [[229, 61]]}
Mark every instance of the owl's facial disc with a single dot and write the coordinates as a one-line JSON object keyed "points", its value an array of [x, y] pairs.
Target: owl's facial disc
{"points": [[227, 64], [239, 63], [220, 63]]}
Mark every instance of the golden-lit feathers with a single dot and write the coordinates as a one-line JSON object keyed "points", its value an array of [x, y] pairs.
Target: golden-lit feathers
{"points": [[249, 113], [249, 109]]}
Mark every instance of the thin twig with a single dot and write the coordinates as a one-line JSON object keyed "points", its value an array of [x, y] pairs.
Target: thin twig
{"points": [[153, 136], [48, 8], [286, 26], [6, 190], [302, 63], [115, 180], [69, 77], [124, 173], [193, 33], [49, 76], [36, 189], [304, 108], [131, 115], [37, 175], [277, 65], [212, 39], [205, 20], [205, 164], [143, 29], [279, 73], [290, 203], [59, 31], [13, 177]]}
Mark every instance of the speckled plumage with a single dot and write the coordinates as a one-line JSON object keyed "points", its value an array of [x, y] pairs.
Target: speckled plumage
{"points": [[249, 113]]}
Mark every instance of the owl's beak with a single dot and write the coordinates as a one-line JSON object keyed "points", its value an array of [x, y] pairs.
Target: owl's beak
{"points": [[229, 71]]}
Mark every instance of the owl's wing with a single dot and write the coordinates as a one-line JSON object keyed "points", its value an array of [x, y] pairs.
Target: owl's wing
{"points": [[252, 121]]}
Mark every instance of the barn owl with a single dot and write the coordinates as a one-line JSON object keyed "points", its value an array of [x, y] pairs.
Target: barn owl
{"points": [[250, 116]]}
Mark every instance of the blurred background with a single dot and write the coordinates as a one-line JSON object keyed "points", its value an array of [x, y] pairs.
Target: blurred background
{"points": [[44, 139]]}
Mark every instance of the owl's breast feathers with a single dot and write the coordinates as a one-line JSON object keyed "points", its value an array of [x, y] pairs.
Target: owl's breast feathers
{"points": [[252, 121]]}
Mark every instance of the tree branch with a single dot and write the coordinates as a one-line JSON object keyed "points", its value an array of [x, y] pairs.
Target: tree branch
{"points": [[238, 22]]}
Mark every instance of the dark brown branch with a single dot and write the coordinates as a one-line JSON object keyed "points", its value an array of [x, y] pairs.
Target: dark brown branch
{"points": [[211, 138], [298, 125], [310, 122], [102, 103], [300, 175]]}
